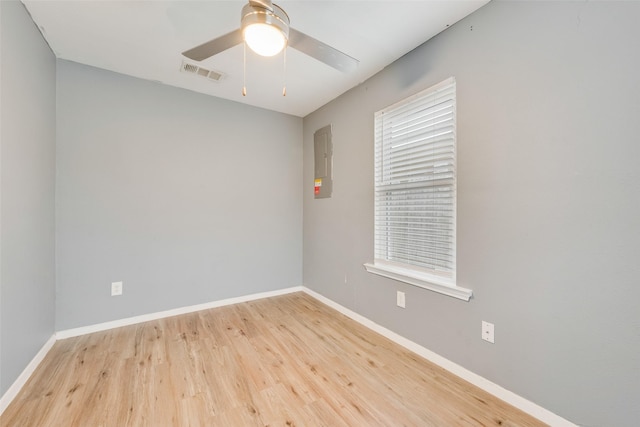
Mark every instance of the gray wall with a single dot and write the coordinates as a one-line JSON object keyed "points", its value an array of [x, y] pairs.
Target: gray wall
{"points": [[548, 204], [27, 138], [184, 197]]}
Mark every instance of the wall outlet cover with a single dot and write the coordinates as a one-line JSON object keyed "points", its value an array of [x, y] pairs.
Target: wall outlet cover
{"points": [[116, 288], [488, 332], [400, 299]]}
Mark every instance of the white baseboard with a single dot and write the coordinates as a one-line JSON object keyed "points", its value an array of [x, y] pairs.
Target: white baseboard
{"points": [[511, 398], [75, 332], [22, 379]]}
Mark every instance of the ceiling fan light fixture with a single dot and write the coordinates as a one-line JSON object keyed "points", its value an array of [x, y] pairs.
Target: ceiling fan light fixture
{"points": [[265, 31], [264, 39]]}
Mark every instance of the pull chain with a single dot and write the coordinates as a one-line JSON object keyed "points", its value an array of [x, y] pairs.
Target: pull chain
{"points": [[244, 69], [284, 72]]}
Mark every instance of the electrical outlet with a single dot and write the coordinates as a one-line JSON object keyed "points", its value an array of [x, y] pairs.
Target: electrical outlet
{"points": [[116, 288], [487, 332], [400, 299]]}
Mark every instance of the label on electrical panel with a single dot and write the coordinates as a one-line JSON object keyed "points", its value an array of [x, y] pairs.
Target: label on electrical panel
{"points": [[316, 185]]}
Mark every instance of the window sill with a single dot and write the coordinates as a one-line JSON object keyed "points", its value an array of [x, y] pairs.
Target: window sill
{"points": [[421, 280]]}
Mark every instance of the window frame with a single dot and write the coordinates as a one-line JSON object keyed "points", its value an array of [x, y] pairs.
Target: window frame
{"points": [[441, 282]]}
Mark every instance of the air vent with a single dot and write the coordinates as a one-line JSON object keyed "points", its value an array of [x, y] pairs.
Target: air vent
{"points": [[200, 71], [214, 75], [189, 68]]}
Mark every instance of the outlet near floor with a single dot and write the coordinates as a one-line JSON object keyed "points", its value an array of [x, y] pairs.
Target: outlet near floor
{"points": [[487, 332], [116, 288], [400, 301]]}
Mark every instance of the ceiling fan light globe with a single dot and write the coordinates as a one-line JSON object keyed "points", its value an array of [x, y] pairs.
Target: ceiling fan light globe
{"points": [[264, 39]]}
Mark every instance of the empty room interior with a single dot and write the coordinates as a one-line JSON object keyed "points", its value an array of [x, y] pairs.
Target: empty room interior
{"points": [[179, 251]]}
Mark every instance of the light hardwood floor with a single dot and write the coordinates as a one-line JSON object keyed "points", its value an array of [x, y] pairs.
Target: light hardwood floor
{"points": [[282, 361]]}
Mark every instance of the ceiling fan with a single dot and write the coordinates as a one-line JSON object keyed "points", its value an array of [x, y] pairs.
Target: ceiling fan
{"points": [[265, 28]]}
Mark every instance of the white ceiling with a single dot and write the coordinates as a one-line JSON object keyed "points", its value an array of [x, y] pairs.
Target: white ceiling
{"points": [[145, 39]]}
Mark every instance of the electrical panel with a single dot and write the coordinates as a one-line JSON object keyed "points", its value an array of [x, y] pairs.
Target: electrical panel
{"points": [[323, 159]]}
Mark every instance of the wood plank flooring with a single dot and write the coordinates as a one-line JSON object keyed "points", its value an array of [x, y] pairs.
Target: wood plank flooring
{"points": [[282, 361]]}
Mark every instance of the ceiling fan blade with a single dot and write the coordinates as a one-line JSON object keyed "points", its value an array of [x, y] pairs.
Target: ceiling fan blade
{"points": [[321, 51], [215, 46]]}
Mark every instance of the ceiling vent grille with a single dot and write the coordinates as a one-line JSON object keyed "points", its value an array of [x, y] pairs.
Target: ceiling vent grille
{"points": [[200, 71]]}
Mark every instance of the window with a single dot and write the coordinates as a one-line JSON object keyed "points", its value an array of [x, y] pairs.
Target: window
{"points": [[415, 191]]}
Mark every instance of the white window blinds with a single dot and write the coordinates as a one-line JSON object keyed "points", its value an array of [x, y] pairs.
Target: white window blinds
{"points": [[415, 181]]}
